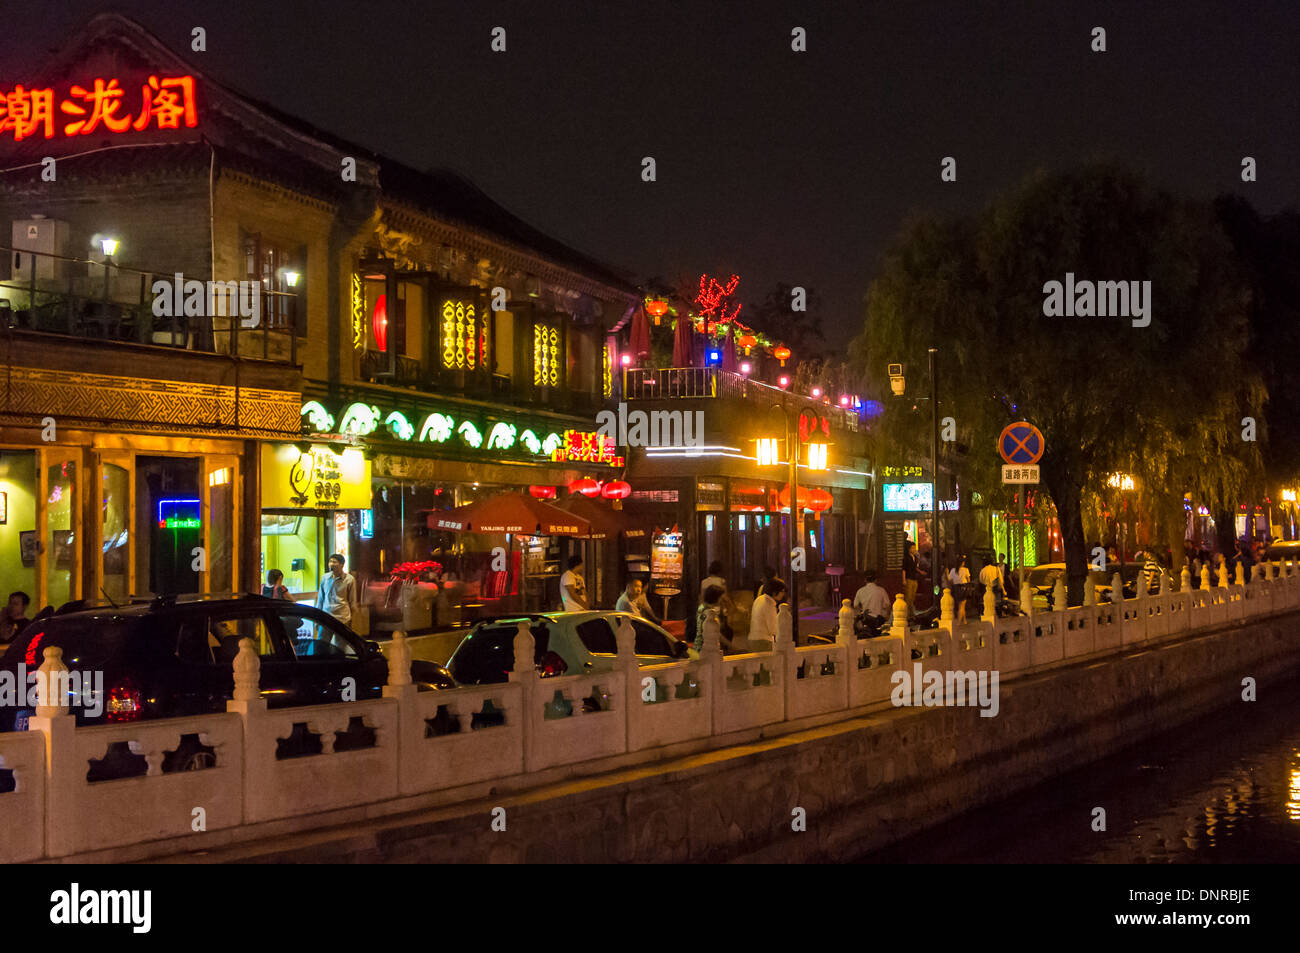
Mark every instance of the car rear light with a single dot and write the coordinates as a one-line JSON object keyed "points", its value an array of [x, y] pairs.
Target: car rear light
{"points": [[124, 702], [551, 664]]}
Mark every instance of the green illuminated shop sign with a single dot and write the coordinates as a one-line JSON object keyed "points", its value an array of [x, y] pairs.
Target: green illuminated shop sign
{"points": [[360, 420]]}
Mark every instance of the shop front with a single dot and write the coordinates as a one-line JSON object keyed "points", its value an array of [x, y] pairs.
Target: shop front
{"points": [[428, 457], [314, 496], [116, 517]]}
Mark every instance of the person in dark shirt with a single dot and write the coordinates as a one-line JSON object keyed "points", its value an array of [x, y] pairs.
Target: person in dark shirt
{"points": [[911, 574], [15, 616]]}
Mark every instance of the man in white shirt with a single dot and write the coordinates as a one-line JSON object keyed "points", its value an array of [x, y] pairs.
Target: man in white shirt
{"points": [[573, 588], [633, 600], [990, 575], [337, 595], [762, 617], [872, 598]]}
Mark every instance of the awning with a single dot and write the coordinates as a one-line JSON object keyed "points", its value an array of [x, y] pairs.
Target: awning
{"points": [[510, 513], [605, 521]]}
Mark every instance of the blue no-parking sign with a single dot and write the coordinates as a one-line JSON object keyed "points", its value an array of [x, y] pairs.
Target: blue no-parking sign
{"points": [[1021, 443]]}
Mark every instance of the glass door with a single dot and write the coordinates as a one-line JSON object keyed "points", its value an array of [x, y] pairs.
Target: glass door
{"points": [[62, 521]]}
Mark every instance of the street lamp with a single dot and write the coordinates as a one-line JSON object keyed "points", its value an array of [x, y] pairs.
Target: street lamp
{"points": [[767, 456], [897, 384], [109, 247]]}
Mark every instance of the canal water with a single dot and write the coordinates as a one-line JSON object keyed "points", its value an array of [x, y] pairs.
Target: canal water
{"points": [[1224, 789]]}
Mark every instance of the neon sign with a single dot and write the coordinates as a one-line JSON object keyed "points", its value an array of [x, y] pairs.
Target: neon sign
{"points": [[179, 514], [585, 446], [165, 103]]}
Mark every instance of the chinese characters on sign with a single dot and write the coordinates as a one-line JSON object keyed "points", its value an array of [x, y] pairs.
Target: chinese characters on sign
{"points": [[666, 556], [165, 103], [1020, 474], [903, 472], [584, 446]]}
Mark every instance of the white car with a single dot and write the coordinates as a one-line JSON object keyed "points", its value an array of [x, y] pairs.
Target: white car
{"points": [[565, 643]]}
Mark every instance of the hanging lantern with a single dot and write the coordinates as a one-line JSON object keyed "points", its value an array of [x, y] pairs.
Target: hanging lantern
{"points": [[781, 353], [819, 500], [656, 308], [616, 490], [804, 498], [747, 341], [379, 323], [542, 492], [585, 485]]}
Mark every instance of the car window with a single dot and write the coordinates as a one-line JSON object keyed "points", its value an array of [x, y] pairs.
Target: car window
{"points": [[488, 653], [83, 646], [225, 632], [314, 638], [649, 640], [195, 643], [598, 637]]}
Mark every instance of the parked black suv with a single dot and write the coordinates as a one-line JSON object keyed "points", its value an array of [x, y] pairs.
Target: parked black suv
{"points": [[165, 659]]}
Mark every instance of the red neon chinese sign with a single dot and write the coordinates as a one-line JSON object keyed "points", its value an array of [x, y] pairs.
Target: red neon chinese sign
{"points": [[587, 447], [165, 103]]}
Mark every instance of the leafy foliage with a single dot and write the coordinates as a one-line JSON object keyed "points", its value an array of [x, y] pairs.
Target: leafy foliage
{"points": [[1163, 402]]}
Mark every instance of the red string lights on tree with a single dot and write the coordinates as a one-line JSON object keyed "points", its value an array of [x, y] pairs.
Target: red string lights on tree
{"points": [[712, 301]]}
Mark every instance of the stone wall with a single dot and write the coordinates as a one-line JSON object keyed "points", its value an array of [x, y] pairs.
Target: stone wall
{"points": [[864, 783]]}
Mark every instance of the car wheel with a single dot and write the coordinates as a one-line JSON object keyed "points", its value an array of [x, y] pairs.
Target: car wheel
{"points": [[197, 761]]}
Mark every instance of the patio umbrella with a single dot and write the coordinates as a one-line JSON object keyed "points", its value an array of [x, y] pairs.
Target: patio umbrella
{"points": [[605, 522], [639, 340], [510, 513], [683, 343]]}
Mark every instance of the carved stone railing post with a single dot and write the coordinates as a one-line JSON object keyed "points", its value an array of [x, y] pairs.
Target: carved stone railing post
{"points": [[845, 634]]}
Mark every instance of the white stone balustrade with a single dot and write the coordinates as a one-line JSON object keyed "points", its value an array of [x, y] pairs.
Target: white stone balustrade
{"points": [[426, 742]]}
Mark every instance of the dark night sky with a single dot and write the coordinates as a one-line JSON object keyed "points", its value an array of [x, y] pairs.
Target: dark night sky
{"points": [[779, 166]]}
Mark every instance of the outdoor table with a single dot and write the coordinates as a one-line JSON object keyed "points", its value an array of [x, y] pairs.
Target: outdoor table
{"points": [[666, 593]]}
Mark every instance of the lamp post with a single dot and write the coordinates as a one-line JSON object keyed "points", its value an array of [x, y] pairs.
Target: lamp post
{"points": [[897, 384], [109, 247], [766, 457]]}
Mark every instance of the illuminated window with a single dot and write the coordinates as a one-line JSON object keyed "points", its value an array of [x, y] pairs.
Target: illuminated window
{"points": [[464, 345], [546, 356], [358, 314]]}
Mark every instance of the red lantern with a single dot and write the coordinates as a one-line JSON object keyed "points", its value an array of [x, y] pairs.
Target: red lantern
{"points": [[379, 322], [804, 499], [656, 308], [747, 341], [781, 353], [542, 492], [584, 485], [819, 500], [616, 490]]}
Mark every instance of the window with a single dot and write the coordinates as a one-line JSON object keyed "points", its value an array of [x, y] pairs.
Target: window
{"points": [[598, 637], [488, 654], [271, 264], [464, 343], [649, 640], [313, 639], [225, 633], [546, 355]]}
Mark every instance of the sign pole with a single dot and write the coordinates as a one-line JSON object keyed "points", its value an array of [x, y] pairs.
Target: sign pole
{"points": [[934, 479], [1020, 555]]}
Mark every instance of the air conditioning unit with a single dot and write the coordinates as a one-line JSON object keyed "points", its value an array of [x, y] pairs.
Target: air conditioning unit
{"points": [[45, 236]]}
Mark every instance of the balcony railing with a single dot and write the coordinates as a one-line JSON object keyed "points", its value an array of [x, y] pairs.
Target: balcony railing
{"points": [[55, 294], [666, 383]]}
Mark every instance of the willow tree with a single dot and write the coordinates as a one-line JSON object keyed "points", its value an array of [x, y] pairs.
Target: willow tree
{"points": [[1163, 401]]}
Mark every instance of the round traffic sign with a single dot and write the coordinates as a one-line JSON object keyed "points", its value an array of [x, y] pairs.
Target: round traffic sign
{"points": [[1021, 443]]}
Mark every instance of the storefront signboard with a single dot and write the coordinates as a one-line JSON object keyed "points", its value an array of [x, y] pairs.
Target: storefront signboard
{"points": [[95, 107], [911, 498], [666, 556], [585, 446], [319, 478]]}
